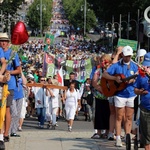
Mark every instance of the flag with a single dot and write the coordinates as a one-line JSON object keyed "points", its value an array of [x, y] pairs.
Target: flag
{"points": [[49, 58], [57, 34], [44, 72], [60, 76], [49, 39]]}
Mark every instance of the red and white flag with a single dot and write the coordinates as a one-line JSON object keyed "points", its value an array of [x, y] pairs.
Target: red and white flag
{"points": [[60, 76]]}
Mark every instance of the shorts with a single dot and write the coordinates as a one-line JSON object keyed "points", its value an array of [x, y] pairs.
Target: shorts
{"points": [[145, 126], [10, 98], [122, 102]]}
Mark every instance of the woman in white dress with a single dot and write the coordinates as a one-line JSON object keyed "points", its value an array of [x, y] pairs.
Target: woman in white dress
{"points": [[71, 96]]}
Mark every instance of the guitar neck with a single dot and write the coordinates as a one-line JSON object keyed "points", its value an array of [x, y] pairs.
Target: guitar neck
{"points": [[128, 78]]}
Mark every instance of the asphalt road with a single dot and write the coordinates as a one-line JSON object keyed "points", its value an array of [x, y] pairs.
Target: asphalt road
{"points": [[79, 125]]}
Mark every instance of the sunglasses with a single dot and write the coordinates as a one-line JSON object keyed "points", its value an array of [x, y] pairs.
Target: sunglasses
{"points": [[42, 80]]}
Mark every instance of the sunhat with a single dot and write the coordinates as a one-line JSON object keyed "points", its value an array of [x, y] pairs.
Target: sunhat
{"points": [[4, 37]]}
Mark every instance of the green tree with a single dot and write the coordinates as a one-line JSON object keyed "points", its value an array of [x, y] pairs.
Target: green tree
{"points": [[33, 14], [10, 7], [105, 9], [76, 16]]}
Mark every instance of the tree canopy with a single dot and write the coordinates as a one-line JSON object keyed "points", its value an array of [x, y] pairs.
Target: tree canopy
{"points": [[105, 9], [33, 14], [74, 10], [10, 6]]}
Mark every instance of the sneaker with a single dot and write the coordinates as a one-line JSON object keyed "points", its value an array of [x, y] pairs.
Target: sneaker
{"points": [[19, 129], [14, 135], [118, 143], [2, 145], [110, 137], [56, 124], [69, 128]]}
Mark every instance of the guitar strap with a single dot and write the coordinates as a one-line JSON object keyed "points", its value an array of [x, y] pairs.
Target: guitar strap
{"points": [[123, 64]]}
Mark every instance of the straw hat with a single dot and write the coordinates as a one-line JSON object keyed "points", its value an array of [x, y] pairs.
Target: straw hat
{"points": [[4, 37]]}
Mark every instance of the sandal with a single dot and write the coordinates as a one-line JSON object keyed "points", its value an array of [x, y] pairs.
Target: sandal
{"points": [[6, 138], [96, 136]]}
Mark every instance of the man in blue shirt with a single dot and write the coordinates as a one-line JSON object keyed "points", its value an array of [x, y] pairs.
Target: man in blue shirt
{"points": [[3, 68], [13, 69], [124, 99], [143, 89]]}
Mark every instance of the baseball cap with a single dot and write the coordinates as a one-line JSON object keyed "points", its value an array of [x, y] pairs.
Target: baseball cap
{"points": [[140, 52], [146, 61], [127, 51], [30, 76]]}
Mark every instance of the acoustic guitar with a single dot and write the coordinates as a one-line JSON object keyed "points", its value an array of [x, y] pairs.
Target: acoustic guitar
{"points": [[110, 87]]}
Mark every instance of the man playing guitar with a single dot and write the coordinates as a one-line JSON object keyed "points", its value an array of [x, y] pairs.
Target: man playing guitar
{"points": [[124, 99]]}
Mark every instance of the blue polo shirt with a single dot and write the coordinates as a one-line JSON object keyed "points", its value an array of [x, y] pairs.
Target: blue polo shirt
{"points": [[120, 68], [143, 82], [12, 81], [18, 91], [1, 53]]}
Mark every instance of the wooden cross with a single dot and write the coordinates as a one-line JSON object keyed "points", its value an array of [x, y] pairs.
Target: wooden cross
{"points": [[47, 85]]}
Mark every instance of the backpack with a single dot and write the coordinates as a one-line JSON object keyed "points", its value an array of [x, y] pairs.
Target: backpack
{"points": [[89, 99]]}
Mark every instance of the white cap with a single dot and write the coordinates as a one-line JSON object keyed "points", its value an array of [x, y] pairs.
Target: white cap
{"points": [[127, 51], [30, 76], [141, 52]]}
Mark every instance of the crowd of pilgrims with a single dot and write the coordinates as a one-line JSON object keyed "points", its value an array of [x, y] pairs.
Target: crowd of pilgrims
{"points": [[109, 114]]}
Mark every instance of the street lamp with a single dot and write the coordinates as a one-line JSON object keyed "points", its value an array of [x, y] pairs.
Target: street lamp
{"points": [[110, 33], [85, 5], [85, 11], [41, 6]]}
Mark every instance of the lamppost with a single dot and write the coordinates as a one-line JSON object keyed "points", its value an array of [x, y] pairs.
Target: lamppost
{"points": [[85, 13], [110, 33], [85, 7], [41, 11]]}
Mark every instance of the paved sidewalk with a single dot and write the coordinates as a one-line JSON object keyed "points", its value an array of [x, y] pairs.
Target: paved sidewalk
{"points": [[54, 140], [59, 140], [33, 138]]}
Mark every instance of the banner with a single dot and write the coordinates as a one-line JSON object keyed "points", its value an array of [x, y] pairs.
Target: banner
{"points": [[81, 68], [50, 70], [68, 68], [125, 42], [49, 40]]}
